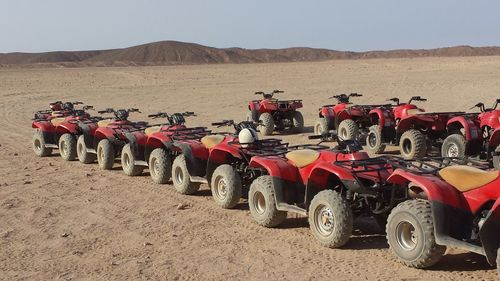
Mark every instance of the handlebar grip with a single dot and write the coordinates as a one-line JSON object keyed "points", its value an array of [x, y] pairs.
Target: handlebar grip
{"points": [[217, 124], [315, 137]]}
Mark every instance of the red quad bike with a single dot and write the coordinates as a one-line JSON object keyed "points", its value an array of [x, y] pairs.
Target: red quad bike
{"points": [[455, 206], [110, 137], [385, 120], [156, 146], [59, 132], [349, 120], [224, 162], [330, 186], [415, 134], [475, 135], [276, 115]]}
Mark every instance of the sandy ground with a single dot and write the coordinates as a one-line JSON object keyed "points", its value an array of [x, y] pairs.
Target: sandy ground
{"points": [[61, 220]]}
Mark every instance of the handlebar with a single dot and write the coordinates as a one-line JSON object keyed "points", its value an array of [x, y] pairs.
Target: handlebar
{"points": [[416, 98], [315, 137], [134, 110], [107, 110]]}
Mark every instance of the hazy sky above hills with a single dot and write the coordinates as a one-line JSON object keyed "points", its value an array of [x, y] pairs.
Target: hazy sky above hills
{"points": [[35, 26]]}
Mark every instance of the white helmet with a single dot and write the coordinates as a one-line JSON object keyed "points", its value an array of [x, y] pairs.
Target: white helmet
{"points": [[247, 136]]}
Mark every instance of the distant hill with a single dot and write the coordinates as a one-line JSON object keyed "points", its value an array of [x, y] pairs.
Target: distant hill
{"points": [[175, 53]]}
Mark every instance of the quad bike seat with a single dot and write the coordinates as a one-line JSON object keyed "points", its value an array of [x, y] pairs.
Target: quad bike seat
{"points": [[104, 123], [466, 178], [413, 111], [57, 121], [152, 130], [303, 157], [211, 140], [56, 113]]}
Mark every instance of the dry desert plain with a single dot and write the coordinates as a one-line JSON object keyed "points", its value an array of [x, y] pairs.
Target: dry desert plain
{"points": [[68, 221]]}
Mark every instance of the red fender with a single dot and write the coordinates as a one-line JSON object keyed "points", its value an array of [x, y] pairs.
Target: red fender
{"points": [[476, 198], [318, 174], [378, 114], [44, 126], [156, 140], [495, 138], [276, 167], [66, 127], [103, 133], [267, 106], [219, 153], [434, 188], [472, 131], [326, 112], [254, 105]]}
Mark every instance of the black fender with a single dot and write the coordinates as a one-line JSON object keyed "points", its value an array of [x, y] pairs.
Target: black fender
{"points": [[132, 140], [196, 167], [490, 233], [288, 192], [451, 222]]}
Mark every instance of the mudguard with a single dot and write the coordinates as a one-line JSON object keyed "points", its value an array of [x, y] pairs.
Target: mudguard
{"points": [[495, 139], [377, 114], [490, 233], [286, 179], [451, 214], [221, 154], [196, 155], [328, 113], [44, 126], [266, 106], [254, 105], [471, 130], [65, 127]]}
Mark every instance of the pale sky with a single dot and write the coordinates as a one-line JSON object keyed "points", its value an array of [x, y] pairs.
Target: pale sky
{"points": [[50, 25]]}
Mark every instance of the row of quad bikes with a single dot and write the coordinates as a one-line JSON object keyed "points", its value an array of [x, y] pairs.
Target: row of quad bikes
{"points": [[424, 205]]}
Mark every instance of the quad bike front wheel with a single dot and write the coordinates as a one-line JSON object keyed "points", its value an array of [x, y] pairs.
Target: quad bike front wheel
{"points": [[348, 130], [266, 126], [298, 122], [410, 234], [181, 178], [67, 147], [105, 154], [413, 144], [128, 162], [330, 219], [38, 144], [81, 151], [160, 166], [262, 203], [374, 141], [454, 146], [321, 126], [226, 186]]}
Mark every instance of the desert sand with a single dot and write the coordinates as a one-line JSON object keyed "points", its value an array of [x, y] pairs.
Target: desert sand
{"points": [[68, 221]]}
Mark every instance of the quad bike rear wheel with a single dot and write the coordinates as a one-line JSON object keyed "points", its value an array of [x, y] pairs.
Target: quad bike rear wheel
{"points": [[374, 141], [105, 154], [410, 234], [128, 159], [38, 145], [413, 144], [298, 122], [348, 130], [262, 203], [81, 151], [321, 126], [330, 219], [266, 126], [181, 178], [226, 186], [160, 166], [253, 115], [496, 158], [67, 147], [454, 146]]}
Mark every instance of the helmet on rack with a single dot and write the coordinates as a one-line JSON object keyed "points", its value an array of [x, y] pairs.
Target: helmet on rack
{"points": [[177, 119], [247, 137], [68, 106], [121, 114]]}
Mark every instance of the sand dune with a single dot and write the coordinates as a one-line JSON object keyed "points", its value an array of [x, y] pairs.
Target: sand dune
{"points": [[175, 53]]}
